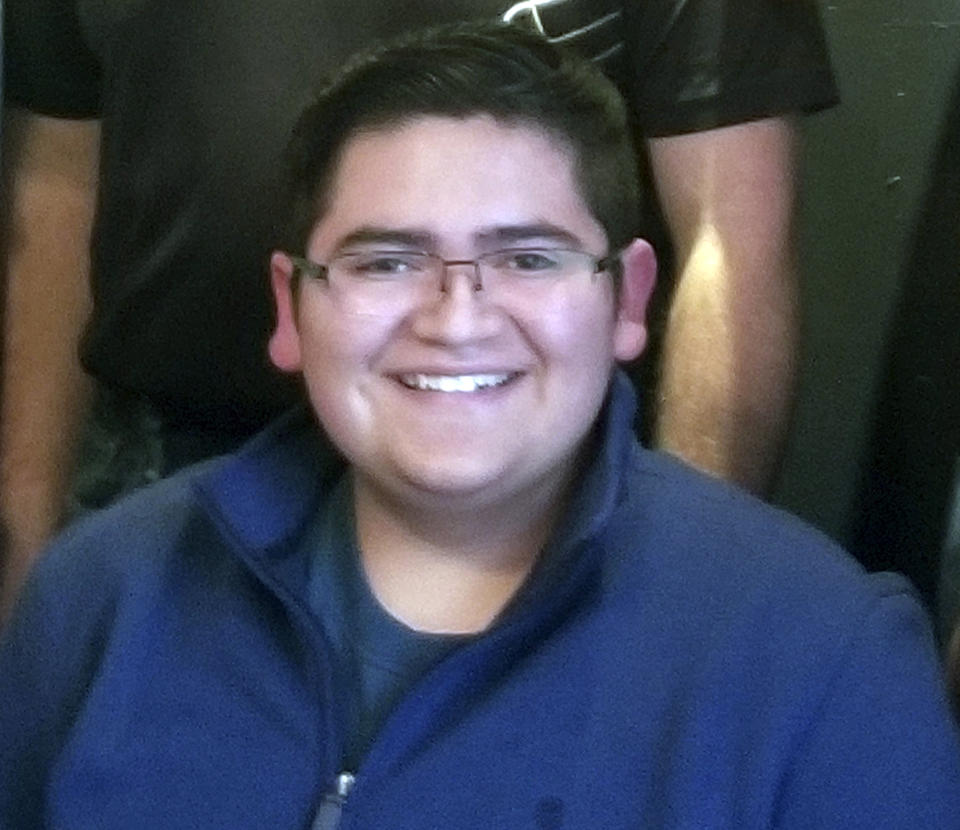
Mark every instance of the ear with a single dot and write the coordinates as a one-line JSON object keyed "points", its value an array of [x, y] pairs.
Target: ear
{"points": [[638, 277], [284, 344]]}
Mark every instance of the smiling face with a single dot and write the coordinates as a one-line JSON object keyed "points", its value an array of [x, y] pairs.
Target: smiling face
{"points": [[461, 399]]}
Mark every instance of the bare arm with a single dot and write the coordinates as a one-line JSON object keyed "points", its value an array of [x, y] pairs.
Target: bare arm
{"points": [[729, 354], [50, 181], [952, 668]]}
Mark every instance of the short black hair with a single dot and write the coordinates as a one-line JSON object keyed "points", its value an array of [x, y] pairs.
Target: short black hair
{"points": [[460, 70]]}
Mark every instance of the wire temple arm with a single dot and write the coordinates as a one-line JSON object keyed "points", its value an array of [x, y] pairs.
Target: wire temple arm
{"points": [[308, 268]]}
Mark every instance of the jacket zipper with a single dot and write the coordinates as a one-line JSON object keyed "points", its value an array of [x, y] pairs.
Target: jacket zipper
{"points": [[331, 808]]}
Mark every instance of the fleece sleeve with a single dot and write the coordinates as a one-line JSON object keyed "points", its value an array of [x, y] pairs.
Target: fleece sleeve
{"points": [[47, 655], [882, 748]]}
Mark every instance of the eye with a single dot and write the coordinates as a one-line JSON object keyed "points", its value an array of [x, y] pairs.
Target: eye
{"points": [[378, 265], [529, 262]]}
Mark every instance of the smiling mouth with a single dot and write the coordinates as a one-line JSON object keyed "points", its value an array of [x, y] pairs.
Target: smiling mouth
{"points": [[455, 383]]}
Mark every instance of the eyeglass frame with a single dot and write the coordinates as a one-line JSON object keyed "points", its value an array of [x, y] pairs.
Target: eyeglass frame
{"points": [[320, 271]]}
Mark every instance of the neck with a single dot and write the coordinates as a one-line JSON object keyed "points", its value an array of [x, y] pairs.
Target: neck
{"points": [[449, 570]]}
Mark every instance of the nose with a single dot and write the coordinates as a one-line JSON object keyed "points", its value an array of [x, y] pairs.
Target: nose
{"points": [[460, 312], [467, 266]]}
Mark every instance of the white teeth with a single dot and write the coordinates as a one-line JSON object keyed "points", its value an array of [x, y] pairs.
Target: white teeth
{"points": [[452, 383]]}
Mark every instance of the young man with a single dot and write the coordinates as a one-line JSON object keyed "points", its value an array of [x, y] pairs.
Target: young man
{"points": [[467, 599]]}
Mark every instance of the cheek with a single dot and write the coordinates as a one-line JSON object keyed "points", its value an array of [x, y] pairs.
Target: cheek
{"points": [[336, 343], [337, 360], [579, 335], [578, 350]]}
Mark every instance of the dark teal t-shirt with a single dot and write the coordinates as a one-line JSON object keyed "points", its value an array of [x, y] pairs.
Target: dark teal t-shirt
{"points": [[378, 658]]}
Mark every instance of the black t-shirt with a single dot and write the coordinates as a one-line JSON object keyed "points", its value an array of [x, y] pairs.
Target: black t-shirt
{"points": [[197, 98]]}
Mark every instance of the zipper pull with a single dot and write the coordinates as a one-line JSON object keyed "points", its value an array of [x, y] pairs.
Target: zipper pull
{"points": [[328, 814]]}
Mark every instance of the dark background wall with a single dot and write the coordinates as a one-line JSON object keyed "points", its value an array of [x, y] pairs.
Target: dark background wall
{"points": [[868, 169]]}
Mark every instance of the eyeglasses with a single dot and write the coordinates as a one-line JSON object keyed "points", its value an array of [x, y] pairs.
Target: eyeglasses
{"points": [[378, 282]]}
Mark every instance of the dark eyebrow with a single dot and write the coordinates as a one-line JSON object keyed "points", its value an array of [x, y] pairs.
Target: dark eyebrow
{"points": [[420, 240], [525, 233], [398, 237]]}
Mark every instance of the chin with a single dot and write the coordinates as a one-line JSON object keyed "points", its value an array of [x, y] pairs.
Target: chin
{"points": [[476, 483], [452, 482]]}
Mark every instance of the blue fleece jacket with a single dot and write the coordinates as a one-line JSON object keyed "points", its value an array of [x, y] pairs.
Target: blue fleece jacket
{"points": [[699, 661]]}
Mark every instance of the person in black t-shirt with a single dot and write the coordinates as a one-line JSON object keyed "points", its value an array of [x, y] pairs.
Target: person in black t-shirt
{"points": [[169, 126]]}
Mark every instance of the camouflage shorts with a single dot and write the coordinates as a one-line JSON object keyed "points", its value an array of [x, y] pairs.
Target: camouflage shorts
{"points": [[126, 444]]}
